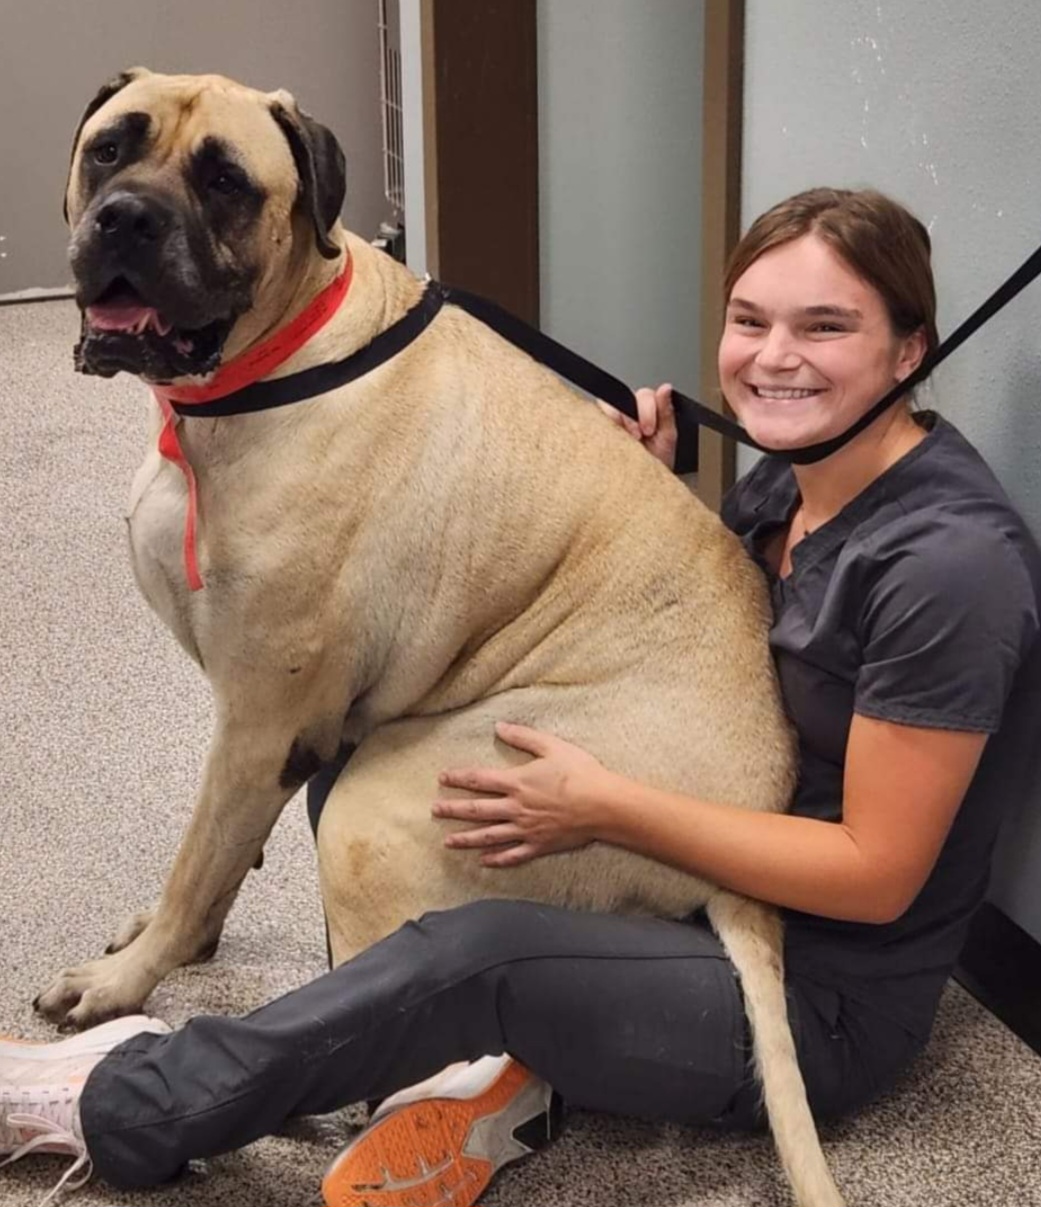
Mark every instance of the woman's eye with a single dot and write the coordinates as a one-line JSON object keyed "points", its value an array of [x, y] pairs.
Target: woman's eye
{"points": [[106, 153]]}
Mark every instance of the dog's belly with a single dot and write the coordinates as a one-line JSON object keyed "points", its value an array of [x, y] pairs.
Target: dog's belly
{"points": [[381, 854]]}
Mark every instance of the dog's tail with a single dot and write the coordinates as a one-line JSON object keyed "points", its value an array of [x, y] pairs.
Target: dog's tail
{"points": [[752, 935]]}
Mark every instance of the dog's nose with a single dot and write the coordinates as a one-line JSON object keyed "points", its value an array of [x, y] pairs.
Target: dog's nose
{"points": [[130, 218]]}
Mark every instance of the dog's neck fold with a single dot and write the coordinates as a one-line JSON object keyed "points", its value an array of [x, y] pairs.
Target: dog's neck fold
{"points": [[251, 366]]}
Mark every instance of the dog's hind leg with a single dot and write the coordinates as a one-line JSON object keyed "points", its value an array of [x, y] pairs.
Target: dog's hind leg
{"points": [[381, 854], [377, 873]]}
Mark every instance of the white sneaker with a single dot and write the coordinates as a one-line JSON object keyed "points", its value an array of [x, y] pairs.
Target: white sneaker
{"points": [[40, 1087], [439, 1143]]}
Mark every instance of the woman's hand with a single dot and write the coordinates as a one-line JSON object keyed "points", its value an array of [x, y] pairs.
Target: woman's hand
{"points": [[546, 805], [656, 428]]}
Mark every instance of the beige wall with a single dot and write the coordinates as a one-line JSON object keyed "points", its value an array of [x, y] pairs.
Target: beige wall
{"points": [[55, 54]]}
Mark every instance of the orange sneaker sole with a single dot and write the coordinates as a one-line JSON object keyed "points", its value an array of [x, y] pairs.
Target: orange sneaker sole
{"points": [[414, 1157]]}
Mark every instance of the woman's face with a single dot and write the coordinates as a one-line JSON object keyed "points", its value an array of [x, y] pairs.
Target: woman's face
{"points": [[807, 346]]}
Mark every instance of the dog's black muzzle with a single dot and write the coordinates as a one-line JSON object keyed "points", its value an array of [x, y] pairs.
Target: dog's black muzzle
{"points": [[154, 301]]}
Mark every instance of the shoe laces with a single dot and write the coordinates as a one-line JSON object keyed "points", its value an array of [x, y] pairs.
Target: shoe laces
{"points": [[55, 1131]]}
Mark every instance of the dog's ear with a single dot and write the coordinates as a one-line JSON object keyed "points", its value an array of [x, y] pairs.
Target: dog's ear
{"points": [[320, 167], [106, 93]]}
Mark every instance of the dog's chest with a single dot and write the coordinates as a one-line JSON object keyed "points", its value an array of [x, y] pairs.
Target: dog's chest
{"points": [[156, 521]]}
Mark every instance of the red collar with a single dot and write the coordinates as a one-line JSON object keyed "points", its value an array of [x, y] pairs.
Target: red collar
{"points": [[263, 359], [254, 364]]}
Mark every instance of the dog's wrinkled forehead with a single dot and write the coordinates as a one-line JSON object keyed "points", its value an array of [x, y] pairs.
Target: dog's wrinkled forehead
{"points": [[166, 126]]}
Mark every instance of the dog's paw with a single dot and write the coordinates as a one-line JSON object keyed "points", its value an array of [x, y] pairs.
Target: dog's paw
{"points": [[94, 993], [133, 927], [129, 929]]}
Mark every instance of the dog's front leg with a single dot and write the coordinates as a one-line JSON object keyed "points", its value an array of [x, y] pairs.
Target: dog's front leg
{"points": [[247, 780]]}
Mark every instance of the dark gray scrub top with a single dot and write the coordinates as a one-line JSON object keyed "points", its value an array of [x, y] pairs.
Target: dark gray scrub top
{"points": [[919, 604]]}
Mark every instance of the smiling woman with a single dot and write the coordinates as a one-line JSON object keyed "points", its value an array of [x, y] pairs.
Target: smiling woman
{"points": [[810, 340]]}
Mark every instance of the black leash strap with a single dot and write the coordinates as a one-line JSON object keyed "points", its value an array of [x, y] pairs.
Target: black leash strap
{"points": [[589, 377], [690, 414]]}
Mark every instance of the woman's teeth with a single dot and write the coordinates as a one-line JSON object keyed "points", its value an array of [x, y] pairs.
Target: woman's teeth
{"points": [[779, 395]]}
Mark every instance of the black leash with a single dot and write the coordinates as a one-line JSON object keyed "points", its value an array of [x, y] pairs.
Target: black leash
{"points": [[690, 414]]}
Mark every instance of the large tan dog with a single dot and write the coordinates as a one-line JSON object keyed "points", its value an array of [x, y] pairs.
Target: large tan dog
{"points": [[452, 539]]}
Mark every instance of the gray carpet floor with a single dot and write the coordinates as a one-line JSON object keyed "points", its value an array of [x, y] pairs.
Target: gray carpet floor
{"points": [[104, 723]]}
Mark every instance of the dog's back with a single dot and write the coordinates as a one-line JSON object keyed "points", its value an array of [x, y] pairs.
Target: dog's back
{"points": [[544, 569]]}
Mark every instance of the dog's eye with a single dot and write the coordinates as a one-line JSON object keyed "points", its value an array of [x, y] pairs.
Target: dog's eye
{"points": [[226, 183], [106, 153]]}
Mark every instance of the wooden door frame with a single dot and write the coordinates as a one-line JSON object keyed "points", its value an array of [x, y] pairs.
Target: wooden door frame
{"points": [[721, 126], [480, 137], [480, 141]]}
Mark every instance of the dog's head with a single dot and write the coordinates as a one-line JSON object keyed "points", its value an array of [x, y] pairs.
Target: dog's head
{"points": [[193, 201]]}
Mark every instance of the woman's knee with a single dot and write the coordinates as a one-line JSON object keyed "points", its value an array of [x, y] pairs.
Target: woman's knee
{"points": [[487, 931]]}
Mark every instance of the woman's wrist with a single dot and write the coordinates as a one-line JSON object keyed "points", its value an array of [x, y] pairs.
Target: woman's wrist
{"points": [[605, 808]]}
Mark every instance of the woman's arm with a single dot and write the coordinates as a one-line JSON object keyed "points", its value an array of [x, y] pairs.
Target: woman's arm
{"points": [[903, 786]]}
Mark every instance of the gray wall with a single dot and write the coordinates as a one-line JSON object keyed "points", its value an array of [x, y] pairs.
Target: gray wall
{"points": [[938, 106], [55, 54], [412, 135], [619, 182]]}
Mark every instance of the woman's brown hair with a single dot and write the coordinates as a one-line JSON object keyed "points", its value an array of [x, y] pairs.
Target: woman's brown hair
{"points": [[883, 243]]}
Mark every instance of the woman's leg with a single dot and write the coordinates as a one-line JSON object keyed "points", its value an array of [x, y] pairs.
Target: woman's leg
{"points": [[636, 1016], [632, 1015]]}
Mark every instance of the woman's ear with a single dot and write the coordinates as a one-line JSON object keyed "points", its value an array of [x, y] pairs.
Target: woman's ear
{"points": [[912, 353]]}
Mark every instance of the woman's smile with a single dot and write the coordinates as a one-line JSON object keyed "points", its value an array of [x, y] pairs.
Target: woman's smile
{"points": [[785, 393], [808, 346]]}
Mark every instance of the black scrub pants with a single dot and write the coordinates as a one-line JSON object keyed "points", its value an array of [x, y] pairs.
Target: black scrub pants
{"points": [[633, 1016]]}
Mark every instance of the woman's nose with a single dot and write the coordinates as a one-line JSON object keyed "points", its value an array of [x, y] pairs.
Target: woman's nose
{"points": [[779, 350]]}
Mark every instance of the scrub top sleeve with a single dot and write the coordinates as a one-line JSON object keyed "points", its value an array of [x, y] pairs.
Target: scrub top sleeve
{"points": [[945, 624]]}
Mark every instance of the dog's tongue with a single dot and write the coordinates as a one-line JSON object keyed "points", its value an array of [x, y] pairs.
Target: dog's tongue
{"points": [[126, 316]]}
